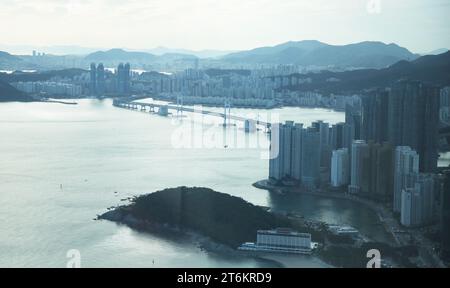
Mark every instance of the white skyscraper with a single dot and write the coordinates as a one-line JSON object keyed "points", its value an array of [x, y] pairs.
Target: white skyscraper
{"points": [[360, 153], [405, 171], [340, 167]]}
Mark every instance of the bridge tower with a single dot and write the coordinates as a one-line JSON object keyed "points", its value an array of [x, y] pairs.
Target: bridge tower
{"points": [[227, 112], [180, 105]]}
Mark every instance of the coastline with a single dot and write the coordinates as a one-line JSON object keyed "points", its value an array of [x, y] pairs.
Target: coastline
{"points": [[401, 235], [380, 210]]}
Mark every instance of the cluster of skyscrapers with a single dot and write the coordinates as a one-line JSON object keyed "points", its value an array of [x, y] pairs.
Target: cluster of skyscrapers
{"points": [[100, 82], [386, 150]]}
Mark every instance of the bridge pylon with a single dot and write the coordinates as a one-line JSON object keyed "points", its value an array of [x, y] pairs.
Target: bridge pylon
{"points": [[179, 105], [227, 112]]}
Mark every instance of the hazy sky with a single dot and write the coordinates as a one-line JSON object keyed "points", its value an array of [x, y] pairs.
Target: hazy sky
{"points": [[419, 25]]}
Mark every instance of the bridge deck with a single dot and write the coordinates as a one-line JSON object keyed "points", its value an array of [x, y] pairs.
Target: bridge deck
{"points": [[126, 104]]}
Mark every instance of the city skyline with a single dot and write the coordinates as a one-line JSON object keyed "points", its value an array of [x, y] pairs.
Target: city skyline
{"points": [[230, 25]]}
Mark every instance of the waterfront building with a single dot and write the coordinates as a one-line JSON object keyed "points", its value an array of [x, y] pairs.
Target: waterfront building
{"points": [[296, 160], [417, 202], [310, 167], [286, 141], [340, 167], [324, 143], [123, 78], [337, 136], [359, 158], [381, 172], [93, 79], [276, 158], [445, 215], [374, 115], [280, 240], [413, 120], [294, 153], [100, 84], [406, 168], [371, 170]]}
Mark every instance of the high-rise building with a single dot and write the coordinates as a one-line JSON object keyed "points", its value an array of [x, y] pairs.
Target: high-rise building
{"points": [[296, 154], [276, 157], [374, 115], [127, 78], [100, 89], [337, 136], [310, 157], [406, 168], [371, 170], [352, 127], [359, 159], [340, 167], [120, 79], [445, 215], [413, 120], [324, 144], [417, 202], [286, 140], [381, 172], [93, 79]]}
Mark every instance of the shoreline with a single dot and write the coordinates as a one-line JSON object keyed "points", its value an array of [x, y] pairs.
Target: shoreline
{"points": [[377, 208]]}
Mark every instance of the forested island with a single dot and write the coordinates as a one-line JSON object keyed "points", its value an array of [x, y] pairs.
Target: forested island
{"points": [[231, 221]]}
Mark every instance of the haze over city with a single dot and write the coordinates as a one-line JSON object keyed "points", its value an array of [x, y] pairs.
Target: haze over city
{"points": [[420, 26], [235, 133]]}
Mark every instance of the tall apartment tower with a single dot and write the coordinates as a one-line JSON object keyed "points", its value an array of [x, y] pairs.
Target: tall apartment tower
{"points": [[93, 79], [413, 120], [100, 79], [340, 167], [417, 202], [310, 157], [374, 115], [406, 168], [359, 159], [445, 215]]}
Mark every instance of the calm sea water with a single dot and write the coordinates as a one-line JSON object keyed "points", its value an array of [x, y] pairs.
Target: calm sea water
{"points": [[61, 165]]}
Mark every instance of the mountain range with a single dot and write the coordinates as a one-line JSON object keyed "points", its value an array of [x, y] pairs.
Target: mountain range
{"points": [[309, 53], [367, 54], [433, 69]]}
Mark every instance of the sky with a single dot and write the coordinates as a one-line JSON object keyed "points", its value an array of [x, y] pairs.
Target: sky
{"points": [[419, 25]]}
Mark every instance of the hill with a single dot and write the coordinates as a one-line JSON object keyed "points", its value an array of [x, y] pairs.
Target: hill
{"points": [[224, 218], [19, 76], [367, 54], [119, 55], [10, 94], [433, 69]]}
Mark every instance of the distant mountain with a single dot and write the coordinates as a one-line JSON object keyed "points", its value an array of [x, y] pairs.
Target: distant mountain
{"points": [[433, 69], [315, 53], [437, 51], [120, 55], [115, 56], [9, 94], [5, 56], [197, 53], [7, 61]]}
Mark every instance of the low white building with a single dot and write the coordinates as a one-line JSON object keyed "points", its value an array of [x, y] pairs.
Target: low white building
{"points": [[280, 240]]}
